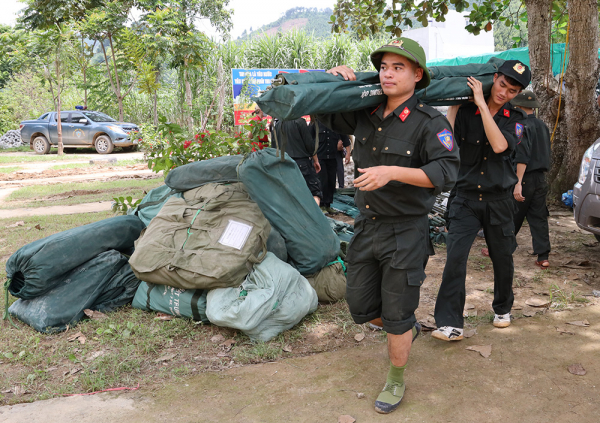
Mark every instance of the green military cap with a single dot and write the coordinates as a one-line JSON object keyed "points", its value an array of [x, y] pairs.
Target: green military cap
{"points": [[526, 99], [409, 49]]}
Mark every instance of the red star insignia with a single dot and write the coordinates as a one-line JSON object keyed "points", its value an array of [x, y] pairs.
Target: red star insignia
{"points": [[404, 114], [506, 113]]}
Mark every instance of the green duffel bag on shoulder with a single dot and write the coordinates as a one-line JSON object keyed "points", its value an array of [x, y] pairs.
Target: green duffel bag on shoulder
{"points": [[313, 93], [330, 282], [208, 239], [190, 303]]}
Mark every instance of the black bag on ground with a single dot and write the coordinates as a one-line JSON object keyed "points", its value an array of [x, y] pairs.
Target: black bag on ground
{"points": [[102, 283], [39, 266]]}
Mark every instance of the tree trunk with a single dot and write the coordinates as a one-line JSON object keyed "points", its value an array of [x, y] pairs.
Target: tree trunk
{"points": [[581, 112], [188, 96], [577, 125], [221, 81], [155, 99], [155, 109], [58, 103]]}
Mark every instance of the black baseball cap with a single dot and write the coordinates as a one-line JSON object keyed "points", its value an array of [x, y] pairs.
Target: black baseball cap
{"points": [[517, 70]]}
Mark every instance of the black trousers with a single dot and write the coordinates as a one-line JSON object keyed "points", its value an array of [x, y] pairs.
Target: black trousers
{"points": [[466, 218], [535, 191], [309, 173], [327, 179], [341, 175]]}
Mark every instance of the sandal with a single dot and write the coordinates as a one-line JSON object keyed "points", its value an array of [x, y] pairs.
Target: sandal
{"points": [[485, 252], [543, 264]]}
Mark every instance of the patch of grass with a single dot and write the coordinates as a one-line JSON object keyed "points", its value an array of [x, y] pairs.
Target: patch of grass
{"points": [[107, 164], [487, 317], [560, 298], [10, 169], [258, 352], [13, 158], [97, 192], [23, 148]]}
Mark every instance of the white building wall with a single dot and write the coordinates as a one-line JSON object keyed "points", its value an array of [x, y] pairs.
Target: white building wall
{"points": [[445, 40]]}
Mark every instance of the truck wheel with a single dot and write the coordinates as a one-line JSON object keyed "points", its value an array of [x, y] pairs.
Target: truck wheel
{"points": [[104, 145], [41, 145]]}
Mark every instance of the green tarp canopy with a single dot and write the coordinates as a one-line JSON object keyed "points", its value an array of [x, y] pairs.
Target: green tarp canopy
{"points": [[521, 54]]}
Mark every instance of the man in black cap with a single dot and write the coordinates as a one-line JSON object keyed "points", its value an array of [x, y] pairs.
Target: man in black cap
{"points": [[533, 161], [488, 132], [405, 155]]}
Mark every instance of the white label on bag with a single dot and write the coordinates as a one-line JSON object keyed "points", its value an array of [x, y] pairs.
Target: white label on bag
{"points": [[235, 234]]}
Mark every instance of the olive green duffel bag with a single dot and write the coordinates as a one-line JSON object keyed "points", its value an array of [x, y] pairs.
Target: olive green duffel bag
{"points": [[208, 239], [330, 282]]}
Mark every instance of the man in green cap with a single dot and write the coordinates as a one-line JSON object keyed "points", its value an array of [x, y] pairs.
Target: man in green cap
{"points": [[533, 161], [404, 155]]}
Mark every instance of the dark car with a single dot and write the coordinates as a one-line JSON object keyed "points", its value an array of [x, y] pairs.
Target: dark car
{"points": [[80, 128], [586, 192]]}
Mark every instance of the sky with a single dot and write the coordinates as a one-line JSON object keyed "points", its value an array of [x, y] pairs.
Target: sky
{"points": [[247, 14]]}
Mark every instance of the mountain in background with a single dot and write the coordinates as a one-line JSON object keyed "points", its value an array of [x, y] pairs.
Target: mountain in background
{"points": [[311, 19]]}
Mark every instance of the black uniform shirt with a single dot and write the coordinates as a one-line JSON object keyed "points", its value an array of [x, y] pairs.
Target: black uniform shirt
{"points": [[414, 135], [328, 141], [294, 137], [534, 151], [484, 175]]}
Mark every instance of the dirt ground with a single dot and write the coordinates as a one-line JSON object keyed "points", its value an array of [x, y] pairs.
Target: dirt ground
{"points": [[524, 379]]}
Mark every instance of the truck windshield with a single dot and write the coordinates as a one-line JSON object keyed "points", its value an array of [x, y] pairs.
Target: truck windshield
{"points": [[98, 117]]}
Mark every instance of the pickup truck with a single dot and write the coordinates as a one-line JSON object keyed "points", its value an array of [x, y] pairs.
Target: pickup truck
{"points": [[80, 128]]}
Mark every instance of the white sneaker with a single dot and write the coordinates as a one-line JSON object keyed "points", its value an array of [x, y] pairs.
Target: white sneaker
{"points": [[448, 333], [502, 320]]}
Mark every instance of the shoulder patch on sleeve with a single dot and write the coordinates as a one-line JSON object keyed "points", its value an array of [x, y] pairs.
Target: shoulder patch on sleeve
{"points": [[519, 131], [446, 139]]}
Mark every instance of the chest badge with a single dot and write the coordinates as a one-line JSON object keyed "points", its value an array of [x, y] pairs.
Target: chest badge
{"points": [[404, 114], [506, 113], [519, 130], [446, 139]]}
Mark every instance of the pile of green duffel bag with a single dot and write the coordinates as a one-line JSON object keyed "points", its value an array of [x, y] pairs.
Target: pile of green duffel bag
{"points": [[221, 226], [236, 225], [56, 278]]}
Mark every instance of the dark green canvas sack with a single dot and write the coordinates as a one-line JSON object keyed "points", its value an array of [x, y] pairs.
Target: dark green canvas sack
{"points": [[208, 239], [102, 283], [152, 203], [39, 266], [177, 302], [193, 175], [309, 93], [281, 192]]}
